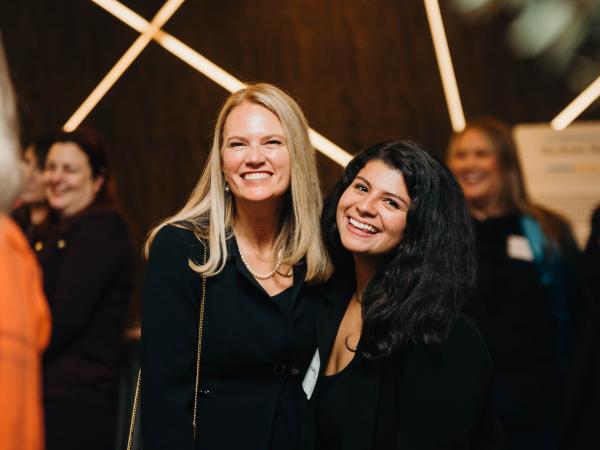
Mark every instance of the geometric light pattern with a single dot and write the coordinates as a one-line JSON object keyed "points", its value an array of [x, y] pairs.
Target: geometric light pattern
{"points": [[164, 14], [190, 56]]}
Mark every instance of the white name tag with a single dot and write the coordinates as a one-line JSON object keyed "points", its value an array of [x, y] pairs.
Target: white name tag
{"points": [[517, 247], [310, 379]]}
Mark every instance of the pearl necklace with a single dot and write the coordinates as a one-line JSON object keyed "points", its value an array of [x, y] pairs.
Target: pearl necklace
{"points": [[260, 276]]}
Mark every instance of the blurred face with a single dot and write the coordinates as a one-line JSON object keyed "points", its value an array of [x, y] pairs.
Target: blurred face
{"points": [[475, 165], [255, 157], [371, 213], [34, 191], [70, 185]]}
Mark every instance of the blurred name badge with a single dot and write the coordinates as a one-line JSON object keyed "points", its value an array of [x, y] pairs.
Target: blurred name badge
{"points": [[310, 379], [517, 247]]}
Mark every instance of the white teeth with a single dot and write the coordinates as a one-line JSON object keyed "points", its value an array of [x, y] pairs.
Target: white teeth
{"points": [[362, 226], [256, 176], [472, 177]]}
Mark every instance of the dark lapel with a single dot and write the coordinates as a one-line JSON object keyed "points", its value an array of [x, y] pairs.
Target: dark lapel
{"points": [[336, 295]]}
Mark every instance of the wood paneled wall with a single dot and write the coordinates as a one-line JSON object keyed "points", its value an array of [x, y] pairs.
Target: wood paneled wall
{"points": [[363, 71]]}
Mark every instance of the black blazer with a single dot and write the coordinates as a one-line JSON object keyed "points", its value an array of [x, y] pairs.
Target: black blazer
{"points": [[420, 399], [88, 277], [254, 352]]}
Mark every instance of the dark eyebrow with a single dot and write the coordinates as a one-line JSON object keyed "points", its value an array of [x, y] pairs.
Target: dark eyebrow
{"points": [[389, 194], [364, 179]]}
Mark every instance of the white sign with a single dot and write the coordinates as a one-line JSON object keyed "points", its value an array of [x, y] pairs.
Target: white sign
{"points": [[562, 170]]}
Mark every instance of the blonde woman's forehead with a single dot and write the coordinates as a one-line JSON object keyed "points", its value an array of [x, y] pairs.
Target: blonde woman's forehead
{"points": [[251, 119]]}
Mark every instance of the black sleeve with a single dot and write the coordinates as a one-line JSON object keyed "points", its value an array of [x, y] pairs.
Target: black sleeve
{"points": [[169, 320], [100, 248], [445, 395]]}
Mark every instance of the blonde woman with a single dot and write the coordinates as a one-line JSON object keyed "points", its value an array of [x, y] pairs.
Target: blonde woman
{"points": [[256, 208]]}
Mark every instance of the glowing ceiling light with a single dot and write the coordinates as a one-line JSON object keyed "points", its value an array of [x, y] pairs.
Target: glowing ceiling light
{"points": [[329, 149], [577, 106], [173, 45], [164, 14], [442, 53], [209, 69]]}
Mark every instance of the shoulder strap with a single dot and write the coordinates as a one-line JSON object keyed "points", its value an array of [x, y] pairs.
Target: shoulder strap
{"points": [[136, 399], [199, 346]]}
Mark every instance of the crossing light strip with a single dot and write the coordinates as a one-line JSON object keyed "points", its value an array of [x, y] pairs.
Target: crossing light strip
{"points": [[164, 14], [198, 62]]}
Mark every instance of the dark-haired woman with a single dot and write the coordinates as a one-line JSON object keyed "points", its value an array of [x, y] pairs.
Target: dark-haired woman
{"points": [[400, 367], [530, 305], [86, 255]]}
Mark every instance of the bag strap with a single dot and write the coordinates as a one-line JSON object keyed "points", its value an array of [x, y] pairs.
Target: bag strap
{"points": [[138, 385], [199, 347]]}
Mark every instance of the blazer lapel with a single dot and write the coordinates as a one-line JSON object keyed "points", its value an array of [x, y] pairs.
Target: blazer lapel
{"points": [[329, 316]]}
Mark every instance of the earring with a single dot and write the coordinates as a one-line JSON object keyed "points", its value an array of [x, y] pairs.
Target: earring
{"points": [[227, 187]]}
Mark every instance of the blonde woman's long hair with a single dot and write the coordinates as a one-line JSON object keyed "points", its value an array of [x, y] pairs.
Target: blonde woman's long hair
{"points": [[11, 171], [209, 211]]}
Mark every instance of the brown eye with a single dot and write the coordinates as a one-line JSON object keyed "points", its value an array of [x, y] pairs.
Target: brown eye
{"points": [[391, 202], [361, 187]]}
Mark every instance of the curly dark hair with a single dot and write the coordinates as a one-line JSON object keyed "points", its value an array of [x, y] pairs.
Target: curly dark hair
{"points": [[416, 296]]}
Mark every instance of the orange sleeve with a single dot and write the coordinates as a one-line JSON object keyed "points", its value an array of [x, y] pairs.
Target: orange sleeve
{"points": [[24, 333]]}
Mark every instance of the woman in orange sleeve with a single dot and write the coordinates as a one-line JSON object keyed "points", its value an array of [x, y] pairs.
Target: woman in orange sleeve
{"points": [[24, 315]]}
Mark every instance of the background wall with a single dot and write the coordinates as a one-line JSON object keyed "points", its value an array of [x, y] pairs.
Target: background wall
{"points": [[363, 71]]}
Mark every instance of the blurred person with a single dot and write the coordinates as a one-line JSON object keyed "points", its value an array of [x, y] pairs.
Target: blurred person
{"points": [[32, 206], [530, 306], [401, 367], [85, 251], [592, 257], [255, 212], [24, 315]]}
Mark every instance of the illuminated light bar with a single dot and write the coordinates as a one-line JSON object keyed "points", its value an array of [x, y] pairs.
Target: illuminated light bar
{"points": [[329, 149], [173, 45], [442, 54], [164, 14], [209, 69], [577, 106]]}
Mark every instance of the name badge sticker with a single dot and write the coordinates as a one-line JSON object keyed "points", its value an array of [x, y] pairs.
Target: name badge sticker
{"points": [[310, 379], [517, 247]]}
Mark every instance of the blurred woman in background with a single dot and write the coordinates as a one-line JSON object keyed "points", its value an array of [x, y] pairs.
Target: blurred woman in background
{"points": [[32, 204], [530, 302], [86, 255]]}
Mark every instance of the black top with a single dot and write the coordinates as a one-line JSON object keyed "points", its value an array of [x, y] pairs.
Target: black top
{"points": [[253, 353], [88, 277], [339, 408], [415, 399], [514, 312]]}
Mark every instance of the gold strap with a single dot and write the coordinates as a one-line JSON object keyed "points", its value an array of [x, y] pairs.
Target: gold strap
{"points": [[136, 401], [138, 385], [199, 349]]}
